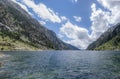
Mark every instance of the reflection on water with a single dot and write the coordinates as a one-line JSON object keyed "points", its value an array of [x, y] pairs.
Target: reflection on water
{"points": [[60, 65]]}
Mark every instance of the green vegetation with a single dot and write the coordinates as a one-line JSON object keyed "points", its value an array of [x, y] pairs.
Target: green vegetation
{"points": [[8, 43], [113, 44], [15, 39]]}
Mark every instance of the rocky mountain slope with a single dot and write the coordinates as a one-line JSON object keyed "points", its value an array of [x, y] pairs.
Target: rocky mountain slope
{"points": [[110, 40], [19, 31]]}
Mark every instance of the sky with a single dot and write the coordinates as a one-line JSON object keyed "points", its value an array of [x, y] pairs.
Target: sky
{"points": [[77, 22]]}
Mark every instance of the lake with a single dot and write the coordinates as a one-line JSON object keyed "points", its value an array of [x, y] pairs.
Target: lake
{"points": [[60, 65]]}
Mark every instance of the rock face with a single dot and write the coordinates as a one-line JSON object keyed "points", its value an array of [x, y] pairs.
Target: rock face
{"points": [[108, 40], [17, 24]]}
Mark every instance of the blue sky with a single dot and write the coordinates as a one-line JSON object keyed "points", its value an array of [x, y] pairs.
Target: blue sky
{"points": [[77, 22]]}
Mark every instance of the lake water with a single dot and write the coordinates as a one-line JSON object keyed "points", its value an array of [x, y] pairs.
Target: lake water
{"points": [[60, 65]]}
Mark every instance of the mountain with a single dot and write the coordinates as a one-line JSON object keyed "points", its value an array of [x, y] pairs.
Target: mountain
{"points": [[72, 47], [110, 40], [19, 31]]}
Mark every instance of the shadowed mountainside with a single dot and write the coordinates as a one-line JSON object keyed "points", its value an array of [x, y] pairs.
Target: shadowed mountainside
{"points": [[19, 31]]}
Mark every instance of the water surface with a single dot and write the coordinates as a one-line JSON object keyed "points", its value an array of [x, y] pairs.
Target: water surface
{"points": [[60, 65]]}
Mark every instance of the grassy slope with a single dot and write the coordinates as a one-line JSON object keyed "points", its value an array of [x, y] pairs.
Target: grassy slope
{"points": [[11, 44], [113, 44]]}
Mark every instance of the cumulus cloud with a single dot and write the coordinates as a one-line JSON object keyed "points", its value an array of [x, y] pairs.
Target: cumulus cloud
{"points": [[77, 18], [22, 6], [101, 20], [43, 11], [77, 32], [79, 35], [113, 6]]}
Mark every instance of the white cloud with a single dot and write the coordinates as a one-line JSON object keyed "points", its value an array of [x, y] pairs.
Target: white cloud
{"points": [[100, 21], [79, 35], [63, 18], [113, 6], [75, 1], [22, 6], [42, 22], [77, 32], [43, 11], [77, 18], [81, 44]]}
